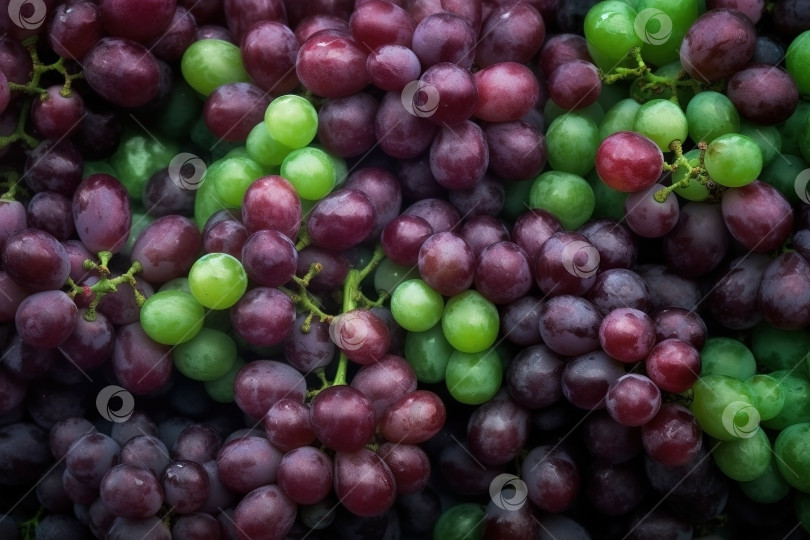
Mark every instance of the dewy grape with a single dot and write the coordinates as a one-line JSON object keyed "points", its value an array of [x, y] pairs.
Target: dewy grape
{"points": [[404, 269]]}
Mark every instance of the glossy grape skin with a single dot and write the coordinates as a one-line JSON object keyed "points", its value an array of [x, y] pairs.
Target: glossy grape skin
{"points": [[587, 378], [552, 478], [263, 316], [346, 124], [566, 264], [503, 273], [46, 318], [446, 263], [413, 418], [167, 248], [375, 23], [247, 463], [569, 325], [757, 216], [401, 133], [209, 63], [73, 29], [627, 334], [305, 475], [783, 293], [688, 249], [473, 378], [507, 91], [263, 506], [341, 220], [233, 109], [392, 67], [54, 165], [633, 399], [444, 37], [306, 351], [268, 52], [263, 382], [332, 65], [649, 218], [620, 287], [408, 463], [140, 364], [271, 202], [342, 418], [122, 71], [363, 482], [101, 213], [510, 33], [662, 446], [36, 260], [718, 44]]}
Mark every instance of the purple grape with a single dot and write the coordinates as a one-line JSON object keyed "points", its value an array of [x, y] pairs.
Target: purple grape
{"points": [[569, 325], [341, 220], [265, 513], [54, 165], [287, 425], [784, 293], [484, 230], [401, 133], [199, 443], [342, 418], [306, 351], [517, 150], [459, 155], [36, 260], [167, 248], [363, 482], [408, 463], [305, 475], [503, 273], [269, 258], [241, 15], [151, 528], [146, 451], [552, 478], [271, 202], [627, 334], [264, 316], [185, 485], [587, 378], [102, 213], [733, 300], [609, 441], [247, 463], [74, 28], [534, 376], [447, 263], [50, 212], [617, 245], [485, 198], [384, 191], [46, 319], [392, 67], [233, 109], [140, 364], [719, 43], [362, 336], [268, 51], [332, 65], [90, 457], [497, 431], [122, 71], [662, 446], [758, 216], [402, 237], [444, 37], [261, 383], [413, 418]]}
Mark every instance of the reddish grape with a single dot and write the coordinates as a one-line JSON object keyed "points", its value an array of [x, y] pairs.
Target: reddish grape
{"points": [[633, 399], [503, 273], [131, 492], [363, 482], [408, 463], [566, 264], [507, 91], [376, 22], [101, 212], [36, 260], [784, 294], [342, 418], [271, 202], [185, 485], [346, 124], [587, 378], [385, 381], [264, 316], [57, 116], [167, 248], [627, 334], [247, 463], [512, 32], [758, 216], [446, 94], [444, 37], [46, 319], [361, 335], [413, 418], [459, 155], [569, 325], [140, 364], [719, 43], [629, 161], [341, 220], [673, 437], [265, 513], [306, 351], [561, 48], [332, 65], [552, 478], [139, 20], [305, 475], [762, 93], [233, 109], [517, 150], [269, 258], [447, 263], [269, 49], [261, 383], [123, 72], [73, 28], [240, 15], [392, 67], [287, 425]]}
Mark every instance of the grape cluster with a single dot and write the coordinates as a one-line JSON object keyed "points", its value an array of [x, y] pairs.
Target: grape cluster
{"points": [[404, 269]]}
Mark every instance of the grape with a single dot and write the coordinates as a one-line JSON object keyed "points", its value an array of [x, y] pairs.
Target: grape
{"points": [[172, 317], [572, 140], [673, 365], [586, 379], [688, 249], [167, 248], [122, 71], [263, 382], [552, 478], [271, 202], [503, 274], [444, 37], [207, 356], [497, 431], [517, 150], [342, 219], [391, 67], [724, 407], [428, 353], [627, 334], [305, 475], [402, 237], [269, 49], [633, 399], [399, 132], [151, 528], [408, 463], [608, 440], [332, 65], [291, 120], [461, 520], [46, 319], [287, 425], [610, 33], [791, 461], [510, 33], [661, 121], [567, 196], [473, 378], [566, 264], [569, 325], [311, 171], [783, 296], [247, 463], [233, 109], [413, 418], [265, 513], [101, 213], [619, 287], [483, 230], [446, 263], [659, 443], [719, 43], [447, 94], [197, 442], [342, 418], [210, 63], [131, 492], [74, 28], [615, 489], [185, 485], [459, 155], [470, 322], [306, 351], [507, 91], [797, 53], [363, 482], [36, 259], [269, 258], [766, 221]]}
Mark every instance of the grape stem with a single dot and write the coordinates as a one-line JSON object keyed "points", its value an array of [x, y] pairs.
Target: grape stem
{"points": [[105, 284]]}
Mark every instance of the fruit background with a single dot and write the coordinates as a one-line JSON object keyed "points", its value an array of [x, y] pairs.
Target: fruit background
{"points": [[383, 269]]}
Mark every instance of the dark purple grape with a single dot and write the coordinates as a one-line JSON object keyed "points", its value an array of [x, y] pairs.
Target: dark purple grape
{"points": [[131, 492], [560, 49], [233, 109], [122, 71], [264, 316], [619, 287], [268, 51], [447, 263], [566, 264], [633, 399], [333, 267], [698, 242], [180, 33], [342, 418], [680, 323], [627, 334], [615, 489], [446, 94], [240, 15], [647, 217], [139, 423], [399, 131], [197, 526], [551, 477], [361, 335], [12, 392], [185, 485], [247, 463], [363, 482], [719, 43], [758, 216], [346, 124], [90, 457], [265, 513], [512, 32], [269, 258], [141, 365], [485, 198], [54, 165], [167, 248], [569, 325], [310, 24], [36, 260], [413, 418], [497, 431], [790, 17], [332, 65], [151, 528], [763, 93], [444, 37], [49, 402], [261, 383], [507, 91], [102, 214], [418, 511], [417, 181], [341, 220], [139, 21], [574, 84], [50, 212], [517, 150], [462, 474], [13, 219], [65, 432], [534, 376], [784, 293], [310, 349], [57, 116], [733, 300], [615, 242], [146, 451], [51, 493], [408, 463], [74, 28], [440, 214], [503, 273], [46, 319], [459, 155], [587, 378], [673, 437], [198, 443], [225, 236], [483, 231], [305, 475], [392, 67], [287, 425], [608, 440], [402, 237], [673, 365], [99, 133], [670, 290], [120, 306]]}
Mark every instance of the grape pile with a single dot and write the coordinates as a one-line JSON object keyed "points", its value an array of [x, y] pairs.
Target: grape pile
{"points": [[407, 269]]}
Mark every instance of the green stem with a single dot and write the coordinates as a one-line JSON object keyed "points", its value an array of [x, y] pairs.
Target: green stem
{"points": [[106, 284]]}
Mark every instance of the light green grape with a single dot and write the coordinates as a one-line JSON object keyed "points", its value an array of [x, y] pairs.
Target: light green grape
{"points": [[744, 459], [724, 407], [797, 58], [207, 64], [727, 356], [428, 353], [694, 190], [767, 138], [711, 114], [571, 142], [733, 160], [263, 148], [310, 171], [172, 317], [474, 378], [292, 120], [217, 280], [568, 196], [207, 356], [610, 33], [388, 275], [769, 394], [470, 322], [231, 177], [620, 117], [415, 306], [662, 121]]}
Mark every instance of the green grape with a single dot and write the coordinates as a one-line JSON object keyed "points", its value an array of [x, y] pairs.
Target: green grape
{"points": [[711, 114], [463, 521], [388, 275], [804, 139], [474, 378], [568, 196], [552, 111], [744, 459], [662, 121], [610, 33], [292, 120], [93, 167], [217, 280], [221, 390], [176, 284], [792, 129], [797, 58], [767, 138], [231, 176], [310, 171], [341, 169], [172, 317], [642, 91], [797, 400], [207, 356], [609, 202], [782, 173], [733, 160], [202, 137], [777, 350], [571, 141], [416, 306], [428, 353], [140, 219], [769, 394], [724, 407], [620, 117], [662, 28], [263, 148], [470, 322], [694, 190], [727, 356], [180, 111], [610, 95], [792, 449], [140, 155], [207, 64], [206, 203], [515, 197], [769, 487]]}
